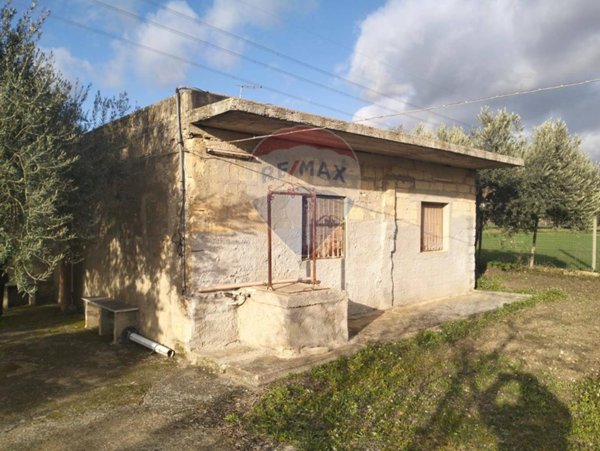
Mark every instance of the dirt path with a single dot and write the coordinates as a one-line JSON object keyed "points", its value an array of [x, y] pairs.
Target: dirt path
{"points": [[64, 387]]}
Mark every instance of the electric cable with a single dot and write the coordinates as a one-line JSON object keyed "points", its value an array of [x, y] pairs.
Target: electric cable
{"points": [[291, 58], [196, 64], [247, 58]]}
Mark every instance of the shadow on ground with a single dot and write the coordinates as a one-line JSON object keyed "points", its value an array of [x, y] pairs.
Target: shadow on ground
{"points": [[521, 258], [360, 316], [513, 405], [64, 387], [47, 358]]}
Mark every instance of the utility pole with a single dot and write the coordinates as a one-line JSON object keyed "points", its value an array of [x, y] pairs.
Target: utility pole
{"points": [[594, 233]]}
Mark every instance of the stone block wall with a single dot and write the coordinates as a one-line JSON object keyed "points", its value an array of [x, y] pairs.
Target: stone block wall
{"points": [[134, 257]]}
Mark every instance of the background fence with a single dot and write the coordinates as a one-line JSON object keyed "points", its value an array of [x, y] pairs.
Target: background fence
{"points": [[561, 248]]}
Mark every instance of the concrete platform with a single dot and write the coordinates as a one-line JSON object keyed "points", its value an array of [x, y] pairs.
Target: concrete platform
{"points": [[256, 367]]}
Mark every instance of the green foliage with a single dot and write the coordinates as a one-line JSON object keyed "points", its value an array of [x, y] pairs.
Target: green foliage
{"points": [[107, 109], [40, 115], [586, 412], [45, 186], [558, 183], [500, 132], [452, 135], [559, 248], [489, 283]]}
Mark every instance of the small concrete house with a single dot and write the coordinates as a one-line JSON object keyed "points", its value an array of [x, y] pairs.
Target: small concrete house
{"points": [[218, 196]]}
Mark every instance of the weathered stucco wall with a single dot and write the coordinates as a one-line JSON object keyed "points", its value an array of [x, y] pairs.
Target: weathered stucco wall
{"points": [[287, 319], [420, 276], [383, 264], [134, 257]]}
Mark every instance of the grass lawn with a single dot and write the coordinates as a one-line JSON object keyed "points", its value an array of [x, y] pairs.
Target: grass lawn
{"points": [[523, 377], [558, 248]]}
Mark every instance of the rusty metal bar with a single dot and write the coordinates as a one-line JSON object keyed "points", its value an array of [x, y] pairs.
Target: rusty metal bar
{"points": [[313, 197], [270, 242], [235, 286]]}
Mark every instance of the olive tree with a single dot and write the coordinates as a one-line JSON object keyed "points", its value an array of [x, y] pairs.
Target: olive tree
{"points": [[558, 183], [45, 187], [40, 117]]}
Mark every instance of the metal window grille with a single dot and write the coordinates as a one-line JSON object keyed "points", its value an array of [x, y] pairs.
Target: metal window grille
{"points": [[330, 227], [432, 226]]}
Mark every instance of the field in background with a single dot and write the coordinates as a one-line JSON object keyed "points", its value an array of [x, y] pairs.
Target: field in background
{"points": [[558, 248]]}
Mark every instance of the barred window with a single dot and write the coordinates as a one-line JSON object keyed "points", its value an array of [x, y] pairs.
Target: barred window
{"points": [[330, 227], [432, 226]]}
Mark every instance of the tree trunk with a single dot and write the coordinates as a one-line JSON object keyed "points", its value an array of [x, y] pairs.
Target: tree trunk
{"points": [[478, 231], [479, 237], [533, 243], [63, 286], [3, 280]]}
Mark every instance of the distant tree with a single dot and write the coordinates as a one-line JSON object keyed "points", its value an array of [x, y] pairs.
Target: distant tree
{"points": [[500, 132], [43, 180], [107, 109], [559, 183], [452, 135]]}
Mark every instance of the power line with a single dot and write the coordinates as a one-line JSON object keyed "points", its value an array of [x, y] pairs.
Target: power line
{"points": [[494, 97], [379, 60], [241, 56], [291, 58], [226, 74], [460, 102], [194, 63]]}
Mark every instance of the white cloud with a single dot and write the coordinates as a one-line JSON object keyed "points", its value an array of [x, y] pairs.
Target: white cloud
{"points": [[103, 17], [590, 143], [370, 114], [73, 69], [234, 16], [157, 68], [430, 52], [154, 66]]}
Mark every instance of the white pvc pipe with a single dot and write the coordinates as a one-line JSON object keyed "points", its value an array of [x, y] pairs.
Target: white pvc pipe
{"points": [[156, 347]]}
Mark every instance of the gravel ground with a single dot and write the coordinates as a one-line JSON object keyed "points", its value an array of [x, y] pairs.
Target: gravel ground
{"points": [[63, 387]]}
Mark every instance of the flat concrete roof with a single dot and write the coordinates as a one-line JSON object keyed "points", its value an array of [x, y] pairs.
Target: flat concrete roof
{"points": [[258, 119]]}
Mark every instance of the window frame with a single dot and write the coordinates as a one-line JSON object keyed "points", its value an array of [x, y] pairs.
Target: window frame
{"points": [[306, 222], [441, 234]]}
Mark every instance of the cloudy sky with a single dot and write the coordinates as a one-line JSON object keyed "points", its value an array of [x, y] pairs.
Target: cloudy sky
{"points": [[349, 60]]}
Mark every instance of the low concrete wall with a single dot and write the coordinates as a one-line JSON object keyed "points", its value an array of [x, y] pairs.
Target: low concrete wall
{"points": [[283, 321], [214, 321]]}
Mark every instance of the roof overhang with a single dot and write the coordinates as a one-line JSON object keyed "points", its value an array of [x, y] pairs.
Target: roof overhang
{"points": [[258, 119]]}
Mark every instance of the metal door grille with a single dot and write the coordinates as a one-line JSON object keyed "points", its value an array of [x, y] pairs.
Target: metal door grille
{"points": [[330, 227]]}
